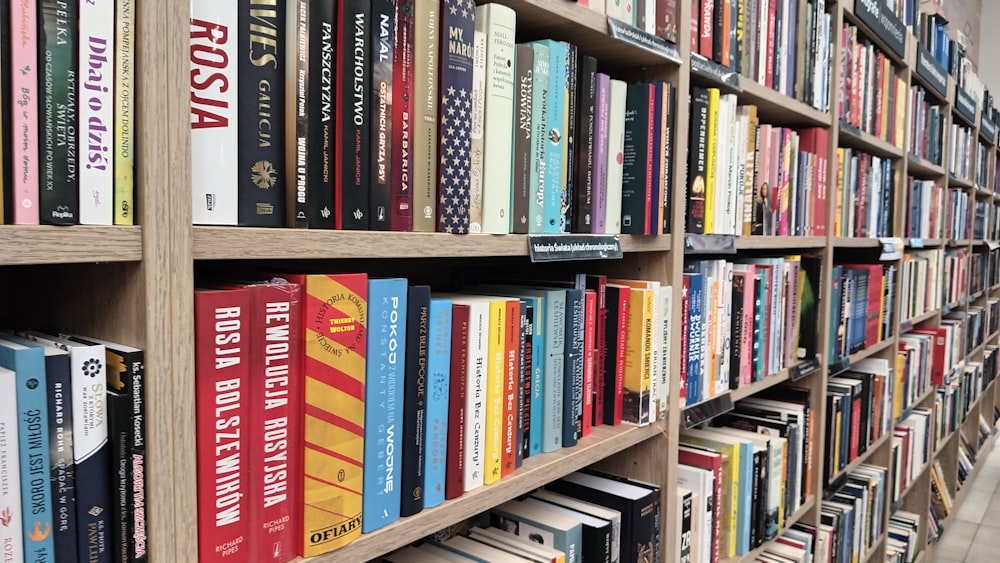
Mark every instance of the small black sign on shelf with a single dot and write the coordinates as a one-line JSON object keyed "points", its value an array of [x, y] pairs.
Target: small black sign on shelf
{"points": [[709, 244], [635, 36], [883, 24], [905, 326], [706, 410], [715, 72], [803, 369], [988, 129], [965, 104], [932, 72], [556, 248], [840, 365]]}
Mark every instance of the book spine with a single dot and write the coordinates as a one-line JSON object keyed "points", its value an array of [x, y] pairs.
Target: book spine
{"points": [[136, 366], [297, 16], [521, 190], [599, 162], [96, 112], [495, 378], [584, 158], [382, 53], [524, 384], [438, 391], [415, 399], [572, 424], [124, 186], [477, 142], [221, 410], [10, 490], [63, 469], [384, 402], [426, 44], [119, 406], [553, 385], [261, 69], [33, 449], [697, 162], [569, 133], [401, 186], [319, 110], [335, 353], [214, 135], [511, 389], [457, 47], [638, 118], [275, 394], [458, 366], [553, 218], [24, 80], [536, 404], [616, 146], [476, 395], [354, 94], [539, 120], [498, 24], [589, 359], [59, 196]]}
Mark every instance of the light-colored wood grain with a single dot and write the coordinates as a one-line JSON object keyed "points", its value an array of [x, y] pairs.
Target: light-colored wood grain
{"points": [[779, 243], [777, 109], [956, 182], [536, 471], [797, 516], [855, 242], [868, 143], [45, 244], [923, 169]]}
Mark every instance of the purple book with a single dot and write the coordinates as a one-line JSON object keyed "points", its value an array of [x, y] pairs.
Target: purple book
{"points": [[600, 189]]}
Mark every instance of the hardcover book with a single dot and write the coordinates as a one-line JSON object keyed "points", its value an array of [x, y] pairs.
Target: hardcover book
{"points": [[319, 208], [415, 400], [584, 146], [59, 195], [96, 110], [354, 94], [455, 85], [401, 188], [477, 143], [124, 188], [439, 336], [426, 48], [383, 42], [540, 94], [522, 189], [458, 366]]}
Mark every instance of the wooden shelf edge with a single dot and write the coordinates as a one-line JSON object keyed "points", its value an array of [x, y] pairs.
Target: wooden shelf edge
{"points": [[919, 319], [860, 460], [874, 548], [537, 471], [789, 522], [247, 243], [867, 142], [959, 182], [48, 244], [855, 242], [779, 109], [779, 243], [921, 168]]}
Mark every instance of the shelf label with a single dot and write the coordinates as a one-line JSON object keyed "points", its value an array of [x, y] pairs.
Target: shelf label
{"points": [[639, 38], [892, 249], [988, 129], [965, 105], [803, 369], [992, 244], [706, 410], [916, 243], [932, 72], [709, 244], [850, 129], [715, 72], [883, 24], [556, 248]]}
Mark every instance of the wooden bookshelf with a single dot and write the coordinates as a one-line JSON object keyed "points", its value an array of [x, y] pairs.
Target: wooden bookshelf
{"points": [[44, 244]]}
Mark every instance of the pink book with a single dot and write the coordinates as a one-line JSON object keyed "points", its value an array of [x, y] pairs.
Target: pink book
{"points": [[600, 163], [773, 178], [746, 272], [24, 116]]}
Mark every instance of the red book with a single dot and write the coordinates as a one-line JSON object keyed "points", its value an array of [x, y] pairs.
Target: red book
{"points": [[814, 140], [455, 468], [589, 355], [695, 19], [617, 335], [874, 311], [707, 25], [401, 187], [222, 371], [599, 284], [940, 336], [772, 16], [274, 435], [512, 351], [684, 341]]}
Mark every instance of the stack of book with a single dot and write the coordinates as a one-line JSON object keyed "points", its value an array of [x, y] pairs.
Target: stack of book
{"points": [[864, 195], [855, 512], [873, 95], [903, 543], [411, 397], [922, 203], [919, 290], [961, 141], [915, 363], [911, 448], [955, 277], [859, 404], [957, 214], [926, 126]]}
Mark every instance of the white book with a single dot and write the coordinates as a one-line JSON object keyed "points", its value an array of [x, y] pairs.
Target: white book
{"points": [[11, 538], [96, 125], [509, 542], [477, 143], [598, 6], [498, 24], [616, 147], [214, 138], [663, 385], [702, 482], [723, 221], [605, 513]]}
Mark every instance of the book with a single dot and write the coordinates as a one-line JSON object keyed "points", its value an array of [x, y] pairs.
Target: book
{"points": [[477, 143], [584, 158], [457, 400], [537, 523], [59, 192], [385, 378], [522, 188], [11, 534], [124, 114], [595, 540], [96, 111], [319, 97], [540, 95], [415, 400], [609, 514], [616, 147], [401, 187], [214, 132], [354, 95], [438, 396], [23, 76], [426, 48]]}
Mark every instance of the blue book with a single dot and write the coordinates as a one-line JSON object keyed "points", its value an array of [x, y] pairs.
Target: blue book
{"points": [[556, 144], [380, 500], [438, 377], [694, 337], [28, 363], [836, 294]]}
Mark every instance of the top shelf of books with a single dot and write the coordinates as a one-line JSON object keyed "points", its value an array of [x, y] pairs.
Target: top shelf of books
{"points": [[224, 243], [42, 244]]}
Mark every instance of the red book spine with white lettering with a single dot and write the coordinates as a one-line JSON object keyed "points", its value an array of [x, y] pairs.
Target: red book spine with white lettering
{"points": [[401, 188], [221, 409], [274, 433], [589, 358], [455, 465]]}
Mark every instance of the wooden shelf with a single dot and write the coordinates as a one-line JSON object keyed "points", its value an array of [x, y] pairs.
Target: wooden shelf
{"points": [[861, 459], [856, 242], [45, 244], [239, 243], [957, 182], [924, 243], [959, 242], [778, 109], [912, 322], [875, 548], [789, 522], [923, 169], [779, 243], [744, 391], [856, 139], [984, 193], [536, 471]]}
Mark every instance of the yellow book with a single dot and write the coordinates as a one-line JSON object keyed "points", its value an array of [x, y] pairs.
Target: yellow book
{"points": [[638, 356], [901, 106], [124, 208], [713, 138], [887, 113], [837, 225], [494, 390], [897, 398]]}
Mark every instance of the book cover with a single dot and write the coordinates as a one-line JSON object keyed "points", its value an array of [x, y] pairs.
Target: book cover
{"points": [[573, 366], [415, 400], [10, 489], [524, 383], [512, 371], [458, 366], [583, 204], [297, 149], [261, 125], [124, 165], [59, 195], [600, 157], [497, 22], [384, 378], [221, 408], [438, 395], [493, 434], [403, 63], [334, 352], [214, 135], [616, 338], [383, 43], [96, 111], [24, 80], [455, 86], [354, 95], [522, 188], [539, 134], [697, 162], [637, 161], [552, 221], [319, 207], [616, 147], [477, 143], [426, 47]]}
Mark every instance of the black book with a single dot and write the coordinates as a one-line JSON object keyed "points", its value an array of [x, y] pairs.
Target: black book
{"points": [[6, 166], [739, 289], [569, 190], [319, 100], [298, 151], [353, 143], [573, 368], [668, 154], [523, 377], [58, 193], [526, 380], [260, 118], [695, 223], [639, 100], [684, 515], [583, 144], [616, 323], [382, 45], [522, 189], [418, 302]]}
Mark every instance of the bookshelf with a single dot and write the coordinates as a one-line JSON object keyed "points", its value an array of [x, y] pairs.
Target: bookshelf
{"points": [[134, 284]]}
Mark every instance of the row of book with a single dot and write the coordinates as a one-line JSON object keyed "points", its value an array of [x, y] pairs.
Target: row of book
{"points": [[957, 214], [408, 396], [656, 17], [922, 204], [926, 126], [67, 92], [960, 151], [911, 449], [984, 153], [955, 277], [756, 458], [872, 95], [914, 368], [863, 307], [782, 44], [978, 273], [855, 511], [512, 138], [919, 293], [903, 542], [744, 320], [981, 212], [72, 449], [859, 406], [752, 178], [866, 185], [932, 32]]}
